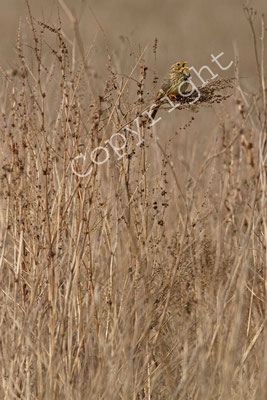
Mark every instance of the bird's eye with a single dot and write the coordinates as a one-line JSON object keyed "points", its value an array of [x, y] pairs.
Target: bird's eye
{"points": [[178, 64]]}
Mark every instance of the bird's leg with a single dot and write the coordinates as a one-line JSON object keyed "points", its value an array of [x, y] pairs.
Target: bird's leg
{"points": [[172, 97]]}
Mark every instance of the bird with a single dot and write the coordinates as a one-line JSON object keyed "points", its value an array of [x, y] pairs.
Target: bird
{"points": [[174, 85]]}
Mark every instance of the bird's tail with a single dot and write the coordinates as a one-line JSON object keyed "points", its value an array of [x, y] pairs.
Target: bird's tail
{"points": [[154, 112]]}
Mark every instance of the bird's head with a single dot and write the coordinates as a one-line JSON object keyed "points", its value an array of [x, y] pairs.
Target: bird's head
{"points": [[180, 69], [179, 66]]}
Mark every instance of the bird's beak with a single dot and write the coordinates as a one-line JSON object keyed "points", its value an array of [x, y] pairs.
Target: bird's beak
{"points": [[186, 68]]}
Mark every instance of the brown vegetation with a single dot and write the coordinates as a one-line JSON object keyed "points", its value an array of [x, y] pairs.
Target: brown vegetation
{"points": [[145, 279]]}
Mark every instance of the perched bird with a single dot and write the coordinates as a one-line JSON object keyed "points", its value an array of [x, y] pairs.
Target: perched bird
{"points": [[173, 85]]}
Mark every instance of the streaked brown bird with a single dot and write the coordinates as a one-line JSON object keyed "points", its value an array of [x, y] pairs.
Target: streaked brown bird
{"points": [[174, 85]]}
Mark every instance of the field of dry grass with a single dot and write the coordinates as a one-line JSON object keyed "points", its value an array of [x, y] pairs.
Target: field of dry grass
{"points": [[133, 258]]}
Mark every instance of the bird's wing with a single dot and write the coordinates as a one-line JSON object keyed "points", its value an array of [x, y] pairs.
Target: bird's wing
{"points": [[164, 89], [166, 85]]}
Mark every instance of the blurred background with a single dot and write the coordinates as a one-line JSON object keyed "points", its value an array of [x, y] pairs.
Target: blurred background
{"points": [[189, 30]]}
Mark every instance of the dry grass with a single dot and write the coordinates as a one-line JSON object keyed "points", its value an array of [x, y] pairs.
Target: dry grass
{"points": [[145, 279]]}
